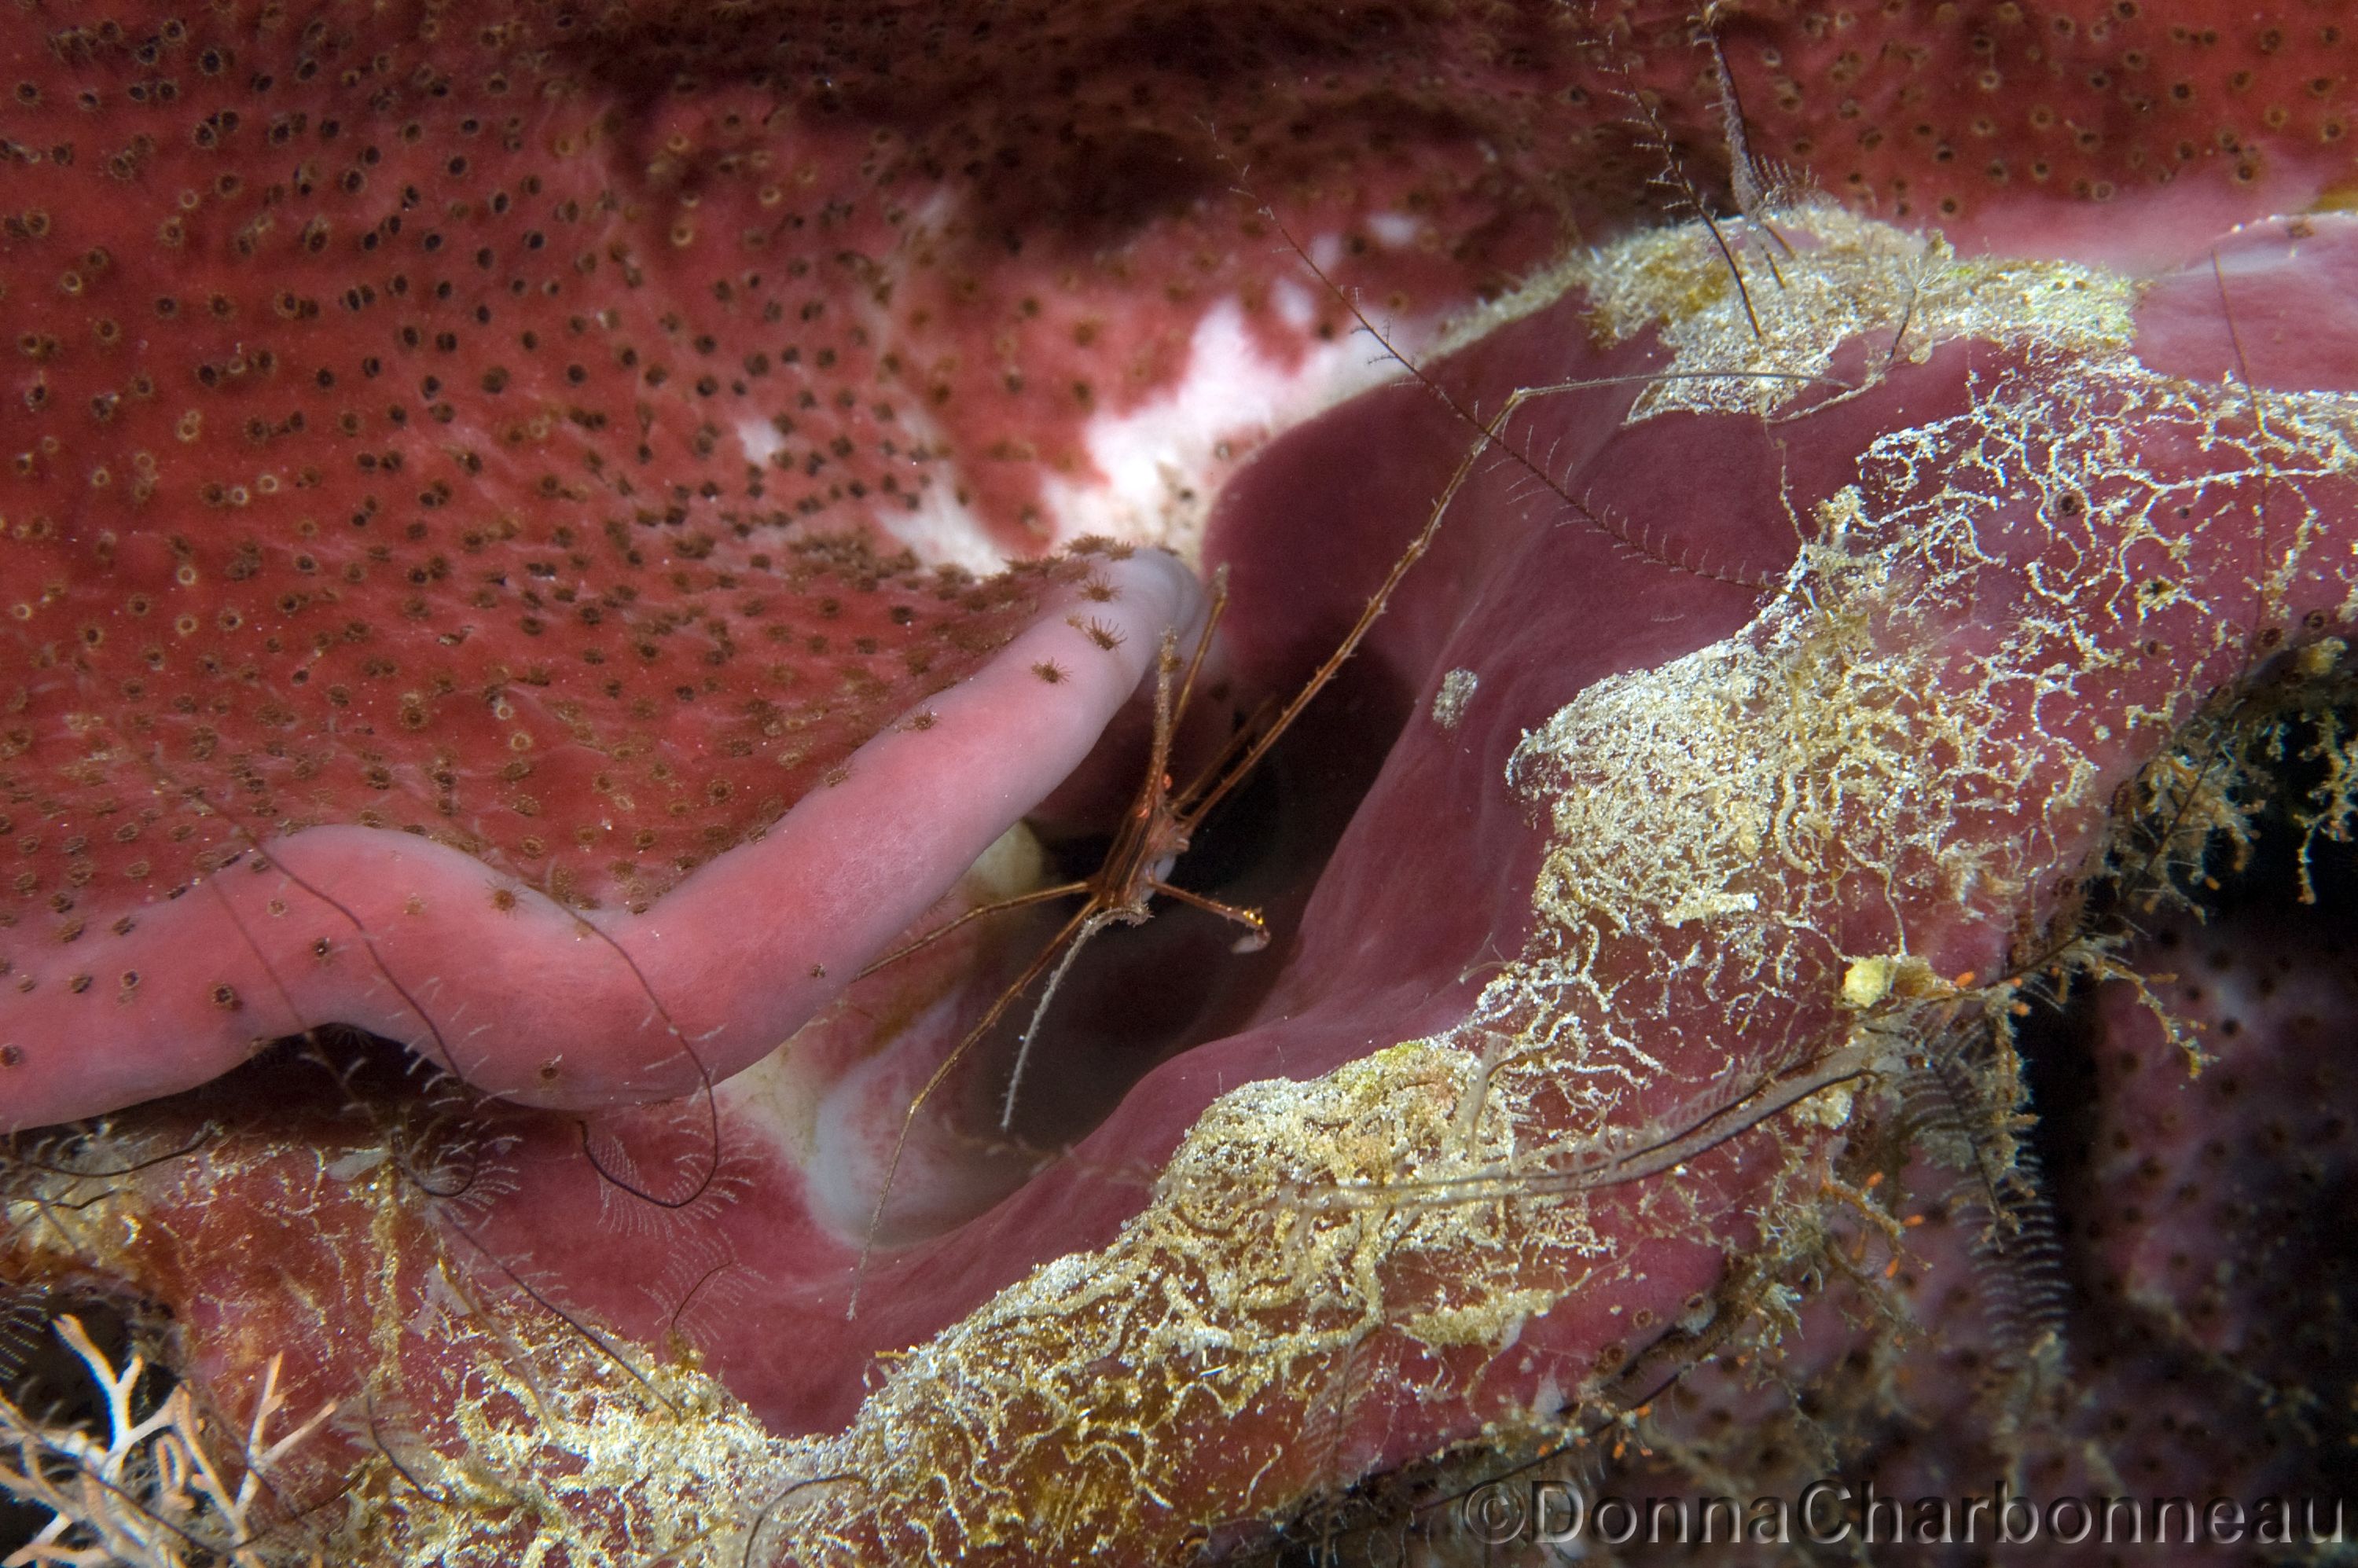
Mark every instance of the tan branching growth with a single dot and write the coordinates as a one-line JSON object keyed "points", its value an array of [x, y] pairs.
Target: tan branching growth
{"points": [[165, 1490]]}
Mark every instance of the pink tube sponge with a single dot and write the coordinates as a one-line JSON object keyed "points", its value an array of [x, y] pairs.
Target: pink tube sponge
{"points": [[524, 998]]}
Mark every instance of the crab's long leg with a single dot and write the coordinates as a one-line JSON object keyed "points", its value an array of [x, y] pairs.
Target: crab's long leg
{"points": [[909, 1118], [1243, 736], [996, 906], [1197, 810], [1248, 918], [1219, 597], [1090, 924], [1488, 437]]}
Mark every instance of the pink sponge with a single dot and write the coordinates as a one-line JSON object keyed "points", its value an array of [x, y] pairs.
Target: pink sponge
{"points": [[524, 998]]}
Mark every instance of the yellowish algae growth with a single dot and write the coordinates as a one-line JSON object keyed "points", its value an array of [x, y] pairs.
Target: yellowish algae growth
{"points": [[1827, 276], [1845, 277], [1721, 974]]}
